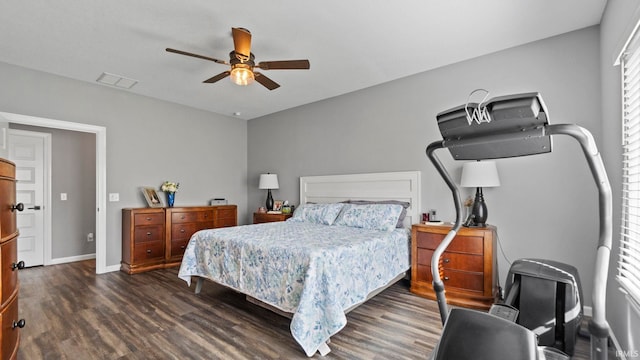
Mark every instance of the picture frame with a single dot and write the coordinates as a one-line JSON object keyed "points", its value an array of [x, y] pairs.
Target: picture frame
{"points": [[150, 194], [277, 205]]}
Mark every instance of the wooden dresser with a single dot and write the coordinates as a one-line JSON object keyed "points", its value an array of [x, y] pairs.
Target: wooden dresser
{"points": [[155, 238], [259, 218], [10, 332], [468, 267]]}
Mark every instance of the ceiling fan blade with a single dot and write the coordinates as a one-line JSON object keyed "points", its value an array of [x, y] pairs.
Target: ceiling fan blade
{"points": [[284, 65], [196, 56], [218, 77], [265, 81], [242, 43]]}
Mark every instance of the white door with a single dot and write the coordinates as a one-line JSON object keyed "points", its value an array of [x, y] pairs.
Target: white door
{"points": [[27, 151]]}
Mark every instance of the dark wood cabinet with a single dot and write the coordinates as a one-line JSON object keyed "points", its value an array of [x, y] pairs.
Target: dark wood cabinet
{"points": [[155, 238], [259, 218], [9, 264], [468, 267]]}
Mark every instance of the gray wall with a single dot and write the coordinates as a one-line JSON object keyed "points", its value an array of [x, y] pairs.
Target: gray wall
{"points": [[73, 171], [547, 204], [148, 141], [620, 17]]}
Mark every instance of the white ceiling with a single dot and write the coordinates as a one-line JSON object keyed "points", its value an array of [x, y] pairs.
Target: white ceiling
{"points": [[351, 44]]}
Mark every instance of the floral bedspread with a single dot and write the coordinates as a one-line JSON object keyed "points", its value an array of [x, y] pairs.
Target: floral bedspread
{"points": [[314, 271]]}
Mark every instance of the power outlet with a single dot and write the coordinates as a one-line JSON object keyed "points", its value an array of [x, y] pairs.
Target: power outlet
{"points": [[90, 237], [114, 197]]}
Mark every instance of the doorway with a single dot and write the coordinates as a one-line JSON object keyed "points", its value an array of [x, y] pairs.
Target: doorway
{"points": [[101, 177]]}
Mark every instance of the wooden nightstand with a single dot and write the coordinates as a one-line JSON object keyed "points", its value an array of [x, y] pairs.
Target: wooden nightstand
{"points": [[469, 267], [259, 218]]}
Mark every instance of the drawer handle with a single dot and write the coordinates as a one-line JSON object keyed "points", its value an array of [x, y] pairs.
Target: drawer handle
{"points": [[148, 233], [182, 230], [20, 323], [18, 206], [149, 251], [446, 261], [182, 247], [446, 278], [148, 219], [19, 265]]}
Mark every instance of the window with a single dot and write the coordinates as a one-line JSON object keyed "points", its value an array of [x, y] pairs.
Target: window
{"points": [[629, 260]]}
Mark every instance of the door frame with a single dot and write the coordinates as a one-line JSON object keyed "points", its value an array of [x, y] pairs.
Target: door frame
{"points": [[101, 175], [46, 197]]}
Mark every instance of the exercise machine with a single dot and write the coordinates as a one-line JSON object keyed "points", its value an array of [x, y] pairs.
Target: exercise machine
{"points": [[502, 127]]}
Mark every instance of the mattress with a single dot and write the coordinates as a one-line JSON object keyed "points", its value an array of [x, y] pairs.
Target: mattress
{"points": [[313, 271]]}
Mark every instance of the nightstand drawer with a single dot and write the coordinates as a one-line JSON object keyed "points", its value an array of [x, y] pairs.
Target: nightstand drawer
{"points": [[148, 219], [148, 233], [455, 261], [454, 279], [465, 244], [259, 218]]}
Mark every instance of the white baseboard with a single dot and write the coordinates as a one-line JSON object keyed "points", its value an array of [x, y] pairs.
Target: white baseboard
{"points": [[111, 268], [72, 259]]}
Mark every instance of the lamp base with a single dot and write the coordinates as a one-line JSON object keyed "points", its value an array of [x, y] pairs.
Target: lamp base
{"points": [[479, 213], [269, 203]]}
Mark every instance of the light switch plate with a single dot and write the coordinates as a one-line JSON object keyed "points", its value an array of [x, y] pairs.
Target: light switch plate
{"points": [[63, 196], [114, 197]]}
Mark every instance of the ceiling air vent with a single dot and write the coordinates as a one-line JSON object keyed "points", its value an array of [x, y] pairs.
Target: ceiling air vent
{"points": [[116, 80]]}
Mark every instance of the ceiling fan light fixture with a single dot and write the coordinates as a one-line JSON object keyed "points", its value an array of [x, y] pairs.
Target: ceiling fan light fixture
{"points": [[241, 74]]}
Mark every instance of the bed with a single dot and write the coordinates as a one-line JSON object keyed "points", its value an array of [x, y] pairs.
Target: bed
{"points": [[330, 257]]}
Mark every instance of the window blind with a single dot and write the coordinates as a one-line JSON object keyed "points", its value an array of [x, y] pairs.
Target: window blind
{"points": [[629, 259]]}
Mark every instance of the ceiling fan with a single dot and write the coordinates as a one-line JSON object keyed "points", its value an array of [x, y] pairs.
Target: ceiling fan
{"points": [[242, 63]]}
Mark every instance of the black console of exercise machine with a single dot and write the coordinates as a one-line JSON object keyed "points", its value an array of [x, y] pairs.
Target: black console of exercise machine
{"points": [[509, 126]]}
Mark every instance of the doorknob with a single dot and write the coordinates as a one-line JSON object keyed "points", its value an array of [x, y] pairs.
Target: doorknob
{"points": [[19, 207], [36, 207]]}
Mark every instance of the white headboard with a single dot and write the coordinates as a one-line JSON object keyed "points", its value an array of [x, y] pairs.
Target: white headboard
{"points": [[403, 186]]}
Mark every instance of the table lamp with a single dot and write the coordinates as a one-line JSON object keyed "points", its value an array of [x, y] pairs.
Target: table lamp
{"points": [[479, 174], [268, 181]]}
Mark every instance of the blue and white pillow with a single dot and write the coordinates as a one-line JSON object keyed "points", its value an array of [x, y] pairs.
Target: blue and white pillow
{"points": [[372, 216], [317, 213]]}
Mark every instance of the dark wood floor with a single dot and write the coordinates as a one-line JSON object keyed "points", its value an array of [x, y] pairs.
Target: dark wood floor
{"points": [[71, 313]]}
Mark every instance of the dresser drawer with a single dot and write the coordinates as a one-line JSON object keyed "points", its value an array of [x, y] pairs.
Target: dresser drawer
{"points": [[178, 247], [466, 262], [149, 251], [148, 233], [191, 216], [10, 334], [227, 213], [9, 253], [7, 200], [183, 231], [226, 222], [148, 219], [466, 244]]}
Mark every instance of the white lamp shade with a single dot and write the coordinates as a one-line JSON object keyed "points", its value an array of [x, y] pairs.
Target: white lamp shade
{"points": [[268, 181], [479, 174]]}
